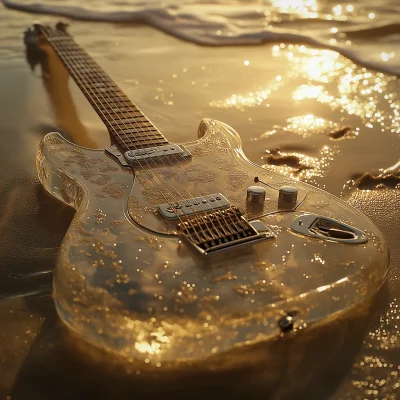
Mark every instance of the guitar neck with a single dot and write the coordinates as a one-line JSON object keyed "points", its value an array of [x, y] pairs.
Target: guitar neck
{"points": [[129, 128]]}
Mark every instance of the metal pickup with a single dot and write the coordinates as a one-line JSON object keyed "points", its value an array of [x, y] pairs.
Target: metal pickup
{"points": [[196, 205], [141, 157]]}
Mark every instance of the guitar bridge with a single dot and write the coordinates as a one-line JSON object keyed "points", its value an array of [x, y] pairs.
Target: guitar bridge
{"points": [[222, 230]]}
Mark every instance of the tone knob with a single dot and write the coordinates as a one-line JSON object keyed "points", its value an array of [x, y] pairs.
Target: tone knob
{"points": [[287, 196], [255, 196]]}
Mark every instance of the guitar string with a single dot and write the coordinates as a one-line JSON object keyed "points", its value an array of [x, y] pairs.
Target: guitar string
{"points": [[116, 100], [211, 234], [68, 66], [143, 131], [97, 80], [95, 66]]}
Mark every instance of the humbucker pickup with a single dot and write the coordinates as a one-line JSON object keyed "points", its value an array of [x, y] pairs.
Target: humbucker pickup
{"points": [[142, 157], [196, 205]]}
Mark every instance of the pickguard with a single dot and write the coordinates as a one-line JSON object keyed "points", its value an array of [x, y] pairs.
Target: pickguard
{"points": [[131, 278], [214, 168]]}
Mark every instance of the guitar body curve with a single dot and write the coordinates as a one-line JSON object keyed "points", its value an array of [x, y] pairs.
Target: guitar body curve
{"points": [[126, 282]]}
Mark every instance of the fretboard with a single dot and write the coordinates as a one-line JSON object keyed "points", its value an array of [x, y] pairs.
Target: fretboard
{"points": [[128, 126]]}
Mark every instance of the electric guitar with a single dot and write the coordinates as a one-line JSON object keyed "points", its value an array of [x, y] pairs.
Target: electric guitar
{"points": [[183, 253]]}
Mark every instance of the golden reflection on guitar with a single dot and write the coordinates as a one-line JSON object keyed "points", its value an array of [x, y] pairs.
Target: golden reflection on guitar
{"points": [[168, 260]]}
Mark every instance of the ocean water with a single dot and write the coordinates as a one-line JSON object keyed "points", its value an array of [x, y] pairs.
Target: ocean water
{"points": [[365, 31]]}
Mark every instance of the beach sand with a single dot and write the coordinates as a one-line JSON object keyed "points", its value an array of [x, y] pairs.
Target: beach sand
{"points": [[296, 112]]}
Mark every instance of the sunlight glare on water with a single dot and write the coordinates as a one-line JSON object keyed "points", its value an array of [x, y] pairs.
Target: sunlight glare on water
{"points": [[304, 8], [343, 27]]}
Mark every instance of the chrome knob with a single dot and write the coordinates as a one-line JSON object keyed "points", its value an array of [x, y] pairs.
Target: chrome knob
{"points": [[287, 196], [255, 196]]}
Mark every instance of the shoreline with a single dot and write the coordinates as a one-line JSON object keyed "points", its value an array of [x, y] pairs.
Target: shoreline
{"points": [[162, 19]]}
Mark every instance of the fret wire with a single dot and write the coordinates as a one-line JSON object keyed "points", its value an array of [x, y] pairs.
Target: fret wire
{"points": [[99, 110], [149, 140], [127, 114], [137, 118], [128, 120], [112, 92], [150, 131], [142, 138], [94, 69], [140, 143], [145, 137], [77, 79], [147, 131]]}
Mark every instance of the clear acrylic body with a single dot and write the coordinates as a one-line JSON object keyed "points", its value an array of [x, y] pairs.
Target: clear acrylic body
{"points": [[125, 282]]}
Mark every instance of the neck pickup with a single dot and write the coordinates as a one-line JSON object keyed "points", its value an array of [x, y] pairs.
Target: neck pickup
{"points": [[151, 157], [159, 155]]}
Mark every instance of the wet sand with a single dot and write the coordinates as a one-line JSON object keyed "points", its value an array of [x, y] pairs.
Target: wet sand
{"points": [[308, 113]]}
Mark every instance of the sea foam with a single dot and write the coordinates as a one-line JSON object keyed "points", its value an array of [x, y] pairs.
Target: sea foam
{"points": [[366, 37]]}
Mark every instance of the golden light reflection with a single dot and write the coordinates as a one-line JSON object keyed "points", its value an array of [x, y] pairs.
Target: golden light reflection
{"points": [[316, 64], [251, 99], [311, 125], [151, 341], [300, 166], [312, 9], [317, 258], [147, 348], [393, 169], [335, 80], [337, 9], [338, 282], [377, 371], [305, 8], [388, 56], [312, 92], [326, 77], [306, 125], [323, 288]]}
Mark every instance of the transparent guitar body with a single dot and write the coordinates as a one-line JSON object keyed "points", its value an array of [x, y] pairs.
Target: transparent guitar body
{"points": [[126, 283]]}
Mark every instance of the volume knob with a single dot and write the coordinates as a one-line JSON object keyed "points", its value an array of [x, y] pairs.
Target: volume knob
{"points": [[287, 196], [255, 196]]}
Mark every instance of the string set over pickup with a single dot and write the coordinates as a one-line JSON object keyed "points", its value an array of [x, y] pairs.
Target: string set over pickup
{"points": [[195, 205], [159, 154]]}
